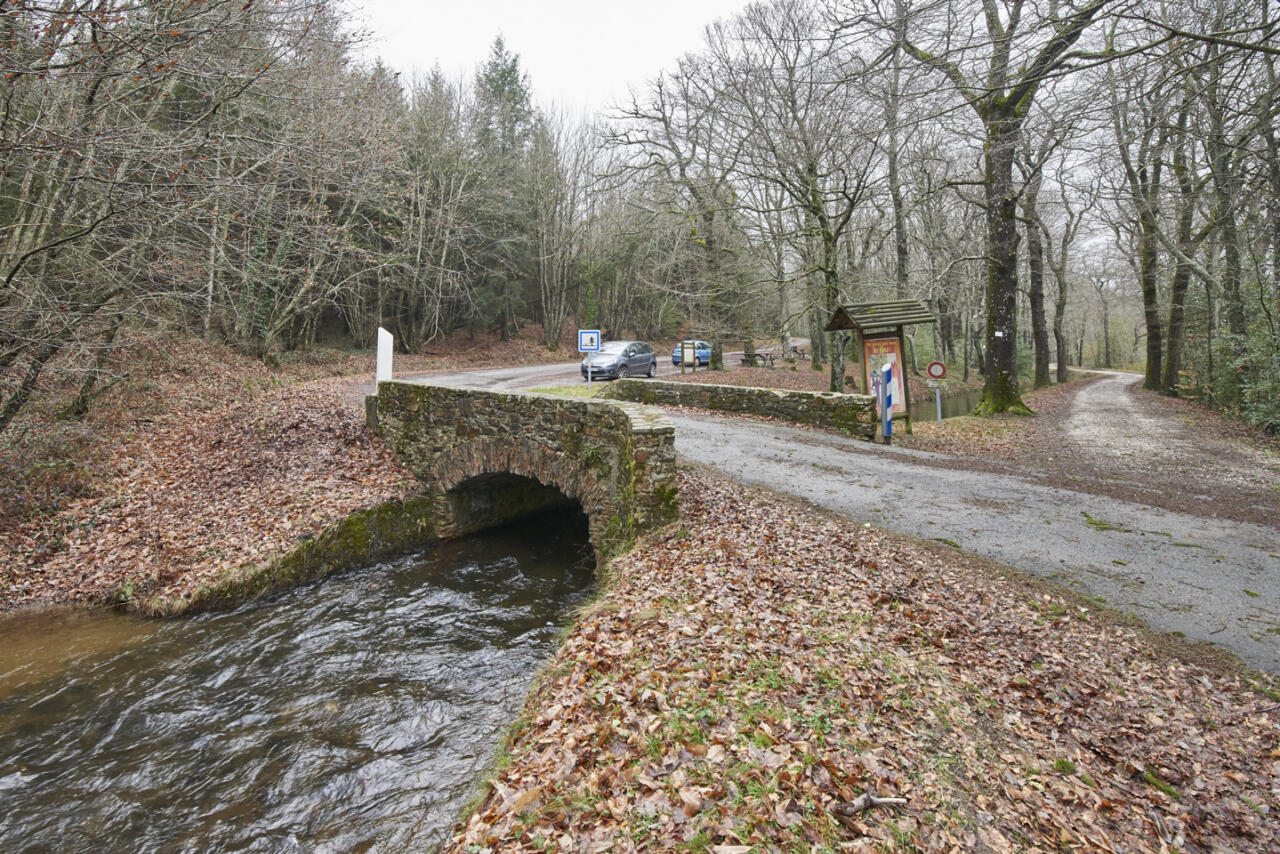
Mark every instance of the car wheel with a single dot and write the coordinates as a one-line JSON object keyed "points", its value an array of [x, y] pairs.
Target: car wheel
{"points": [[653, 369], [622, 372]]}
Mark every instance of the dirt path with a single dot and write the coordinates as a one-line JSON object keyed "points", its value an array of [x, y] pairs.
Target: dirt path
{"points": [[1167, 453]]}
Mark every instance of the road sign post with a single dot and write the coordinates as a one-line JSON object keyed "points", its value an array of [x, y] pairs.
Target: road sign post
{"points": [[937, 396], [886, 386], [936, 371], [588, 342]]}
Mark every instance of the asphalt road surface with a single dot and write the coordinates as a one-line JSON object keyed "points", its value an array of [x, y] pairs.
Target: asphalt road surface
{"points": [[527, 376], [1211, 579]]}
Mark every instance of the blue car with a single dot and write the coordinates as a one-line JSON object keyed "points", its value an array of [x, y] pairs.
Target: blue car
{"points": [[701, 352]]}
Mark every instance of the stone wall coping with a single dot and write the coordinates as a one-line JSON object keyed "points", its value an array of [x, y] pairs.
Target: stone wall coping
{"points": [[853, 414], [648, 420], [776, 392]]}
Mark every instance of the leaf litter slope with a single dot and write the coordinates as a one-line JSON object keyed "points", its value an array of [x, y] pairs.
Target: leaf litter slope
{"points": [[746, 678], [205, 495]]}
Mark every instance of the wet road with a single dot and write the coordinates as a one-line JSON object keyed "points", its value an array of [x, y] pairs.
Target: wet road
{"points": [[523, 377], [1211, 579]]}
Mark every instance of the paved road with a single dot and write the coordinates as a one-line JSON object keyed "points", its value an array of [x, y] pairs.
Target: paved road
{"points": [[529, 376], [1211, 579]]}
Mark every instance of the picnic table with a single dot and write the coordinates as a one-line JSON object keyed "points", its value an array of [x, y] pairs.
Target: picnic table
{"points": [[759, 359]]}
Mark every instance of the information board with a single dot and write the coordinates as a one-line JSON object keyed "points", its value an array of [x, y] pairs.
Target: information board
{"points": [[876, 352]]}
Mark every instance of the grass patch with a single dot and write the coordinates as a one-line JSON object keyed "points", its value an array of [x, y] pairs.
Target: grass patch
{"points": [[1269, 693], [1100, 525], [1157, 783], [583, 390], [1251, 594], [947, 542]]}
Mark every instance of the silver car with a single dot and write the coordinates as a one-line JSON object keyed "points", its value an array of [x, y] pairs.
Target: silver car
{"points": [[616, 359]]}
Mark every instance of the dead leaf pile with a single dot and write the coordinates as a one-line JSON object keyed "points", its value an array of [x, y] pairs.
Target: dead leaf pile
{"points": [[217, 491], [747, 679]]}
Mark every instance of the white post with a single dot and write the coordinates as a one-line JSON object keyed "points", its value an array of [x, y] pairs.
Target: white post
{"points": [[384, 355]]}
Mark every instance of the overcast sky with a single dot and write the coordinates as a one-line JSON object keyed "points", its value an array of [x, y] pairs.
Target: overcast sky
{"points": [[581, 54]]}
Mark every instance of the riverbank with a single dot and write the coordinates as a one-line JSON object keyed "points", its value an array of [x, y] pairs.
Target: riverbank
{"points": [[195, 463], [748, 678], [198, 499]]}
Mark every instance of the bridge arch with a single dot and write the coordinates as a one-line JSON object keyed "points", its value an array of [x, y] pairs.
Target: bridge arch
{"points": [[486, 458]]}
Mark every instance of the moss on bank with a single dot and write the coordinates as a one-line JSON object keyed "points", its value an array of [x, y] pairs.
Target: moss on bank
{"points": [[363, 537]]}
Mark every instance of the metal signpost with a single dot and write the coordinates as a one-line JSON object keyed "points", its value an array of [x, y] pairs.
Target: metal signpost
{"points": [[936, 371], [882, 388], [886, 390], [589, 342]]}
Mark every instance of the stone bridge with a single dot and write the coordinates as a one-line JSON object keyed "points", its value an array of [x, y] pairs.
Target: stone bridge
{"points": [[486, 458]]}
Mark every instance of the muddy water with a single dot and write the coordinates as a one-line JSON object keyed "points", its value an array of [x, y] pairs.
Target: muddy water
{"points": [[954, 404], [351, 715]]}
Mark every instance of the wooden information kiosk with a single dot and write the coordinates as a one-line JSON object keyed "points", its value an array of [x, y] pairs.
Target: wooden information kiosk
{"points": [[877, 331]]}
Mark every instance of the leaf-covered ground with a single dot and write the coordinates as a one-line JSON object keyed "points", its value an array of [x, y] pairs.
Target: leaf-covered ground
{"points": [[194, 459], [204, 495], [746, 678]]}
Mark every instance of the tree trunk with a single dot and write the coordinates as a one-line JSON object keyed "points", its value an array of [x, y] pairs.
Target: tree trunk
{"points": [[1182, 272], [1060, 345], [1035, 275], [1149, 259], [1000, 390]]}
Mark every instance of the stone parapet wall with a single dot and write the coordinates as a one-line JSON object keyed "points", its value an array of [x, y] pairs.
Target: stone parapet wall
{"points": [[850, 413], [477, 451]]}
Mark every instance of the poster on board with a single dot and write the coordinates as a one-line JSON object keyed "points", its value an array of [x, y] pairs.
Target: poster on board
{"points": [[875, 353]]}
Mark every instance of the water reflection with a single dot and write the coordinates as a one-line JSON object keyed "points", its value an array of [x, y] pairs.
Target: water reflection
{"points": [[350, 715]]}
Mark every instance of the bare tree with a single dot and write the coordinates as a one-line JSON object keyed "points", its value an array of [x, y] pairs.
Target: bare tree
{"points": [[998, 74]]}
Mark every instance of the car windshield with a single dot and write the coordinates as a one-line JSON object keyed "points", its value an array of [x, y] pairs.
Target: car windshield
{"points": [[613, 346]]}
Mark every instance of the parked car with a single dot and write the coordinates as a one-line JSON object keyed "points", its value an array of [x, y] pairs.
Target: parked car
{"points": [[701, 352], [616, 359]]}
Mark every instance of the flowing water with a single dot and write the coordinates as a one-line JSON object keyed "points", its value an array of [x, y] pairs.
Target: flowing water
{"points": [[353, 714]]}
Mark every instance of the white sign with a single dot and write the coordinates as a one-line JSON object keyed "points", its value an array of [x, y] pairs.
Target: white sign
{"points": [[383, 372], [588, 340]]}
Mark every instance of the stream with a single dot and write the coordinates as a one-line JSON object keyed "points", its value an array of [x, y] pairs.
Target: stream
{"points": [[355, 713]]}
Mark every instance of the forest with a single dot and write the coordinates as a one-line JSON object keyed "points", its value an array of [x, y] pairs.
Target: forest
{"points": [[1063, 183]]}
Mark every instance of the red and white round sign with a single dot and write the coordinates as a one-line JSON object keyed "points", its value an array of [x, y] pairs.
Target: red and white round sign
{"points": [[936, 370]]}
